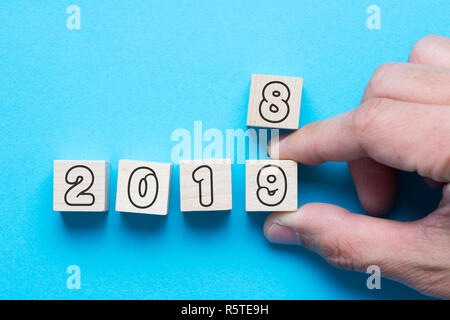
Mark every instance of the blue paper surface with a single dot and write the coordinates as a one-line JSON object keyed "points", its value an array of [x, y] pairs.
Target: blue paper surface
{"points": [[138, 70]]}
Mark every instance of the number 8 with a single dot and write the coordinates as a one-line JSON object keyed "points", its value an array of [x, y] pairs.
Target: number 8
{"points": [[274, 107]]}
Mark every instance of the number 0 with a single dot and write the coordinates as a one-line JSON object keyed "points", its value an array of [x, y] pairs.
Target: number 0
{"points": [[145, 182]]}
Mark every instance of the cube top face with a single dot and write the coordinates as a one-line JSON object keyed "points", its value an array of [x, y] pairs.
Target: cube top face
{"points": [[274, 102], [205, 185], [271, 185], [143, 187], [81, 185]]}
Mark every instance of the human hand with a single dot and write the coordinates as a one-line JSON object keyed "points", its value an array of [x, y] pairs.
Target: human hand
{"points": [[403, 123]]}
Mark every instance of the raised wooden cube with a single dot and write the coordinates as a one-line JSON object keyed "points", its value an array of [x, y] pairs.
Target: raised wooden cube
{"points": [[205, 185], [143, 187], [271, 185], [274, 102], [80, 185]]}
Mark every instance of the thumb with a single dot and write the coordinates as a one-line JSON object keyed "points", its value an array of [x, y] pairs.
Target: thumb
{"points": [[346, 240]]}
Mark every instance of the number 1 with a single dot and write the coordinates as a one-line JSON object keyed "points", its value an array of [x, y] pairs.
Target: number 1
{"points": [[203, 175]]}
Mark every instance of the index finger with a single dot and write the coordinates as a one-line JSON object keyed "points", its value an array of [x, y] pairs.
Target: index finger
{"points": [[402, 135]]}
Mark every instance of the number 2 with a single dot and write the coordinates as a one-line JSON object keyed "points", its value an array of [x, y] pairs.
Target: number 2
{"points": [[81, 178]]}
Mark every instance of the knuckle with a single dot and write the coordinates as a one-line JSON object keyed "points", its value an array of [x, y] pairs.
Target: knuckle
{"points": [[364, 118], [420, 49], [442, 170], [342, 254], [436, 168], [446, 192], [380, 81], [384, 70], [446, 168]]}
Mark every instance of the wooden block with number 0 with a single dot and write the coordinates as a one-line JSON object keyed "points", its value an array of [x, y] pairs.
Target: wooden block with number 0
{"points": [[271, 185], [205, 185], [274, 102], [143, 187], [80, 185]]}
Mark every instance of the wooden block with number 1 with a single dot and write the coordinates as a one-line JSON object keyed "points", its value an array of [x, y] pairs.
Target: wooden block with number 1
{"points": [[271, 185], [205, 185], [274, 102], [81, 185]]}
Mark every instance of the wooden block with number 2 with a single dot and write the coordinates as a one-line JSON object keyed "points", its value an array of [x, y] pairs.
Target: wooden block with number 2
{"points": [[274, 102], [80, 185]]}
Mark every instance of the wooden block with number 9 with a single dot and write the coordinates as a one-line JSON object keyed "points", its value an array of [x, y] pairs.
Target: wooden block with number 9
{"points": [[143, 187], [274, 102], [81, 185], [271, 185], [205, 185]]}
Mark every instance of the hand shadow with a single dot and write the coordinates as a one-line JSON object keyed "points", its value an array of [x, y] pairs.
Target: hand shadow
{"points": [[415, 199]]}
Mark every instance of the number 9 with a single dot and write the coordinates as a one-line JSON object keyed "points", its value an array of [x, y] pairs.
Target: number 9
{"points": [[272, 185]]}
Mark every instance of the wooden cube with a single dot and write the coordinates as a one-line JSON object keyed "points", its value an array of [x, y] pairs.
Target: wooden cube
{"points": [[80, 185], [271, 185], [143, 187], [274, 102], [205, 185]]}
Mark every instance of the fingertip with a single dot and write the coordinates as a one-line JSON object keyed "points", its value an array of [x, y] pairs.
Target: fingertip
{"points": [[275, 145], [278, 228], [268, 223], [376, 185], [305, 226], [376, 206], [282, 235]]}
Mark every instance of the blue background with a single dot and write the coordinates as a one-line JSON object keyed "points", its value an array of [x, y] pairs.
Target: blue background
{"points": [[136, 71]]}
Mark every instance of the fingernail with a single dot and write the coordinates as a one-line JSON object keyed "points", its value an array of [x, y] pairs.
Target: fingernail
{"points": [[281, 234], [273, 148]]}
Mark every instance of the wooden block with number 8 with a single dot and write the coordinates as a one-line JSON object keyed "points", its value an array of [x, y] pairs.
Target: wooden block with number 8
{"points": [[270, 185], [274, 102], [205, 185], [80, 185], [143, 187]]}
